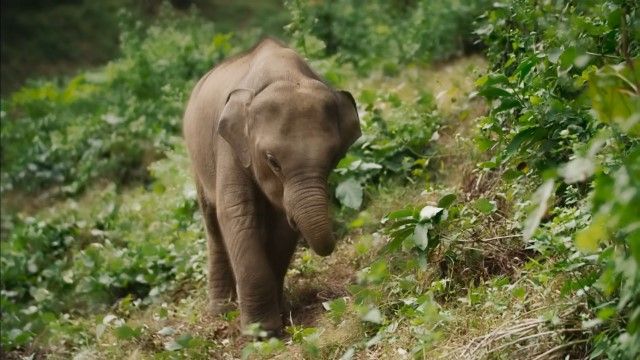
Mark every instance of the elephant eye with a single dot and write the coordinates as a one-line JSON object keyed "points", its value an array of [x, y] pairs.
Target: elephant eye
{"points": [[273, 162]]}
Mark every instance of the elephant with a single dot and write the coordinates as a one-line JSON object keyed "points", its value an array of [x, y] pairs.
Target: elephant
{"points": [[263, 132]]}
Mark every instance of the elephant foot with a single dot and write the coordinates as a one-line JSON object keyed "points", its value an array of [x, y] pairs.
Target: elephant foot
{"points": [[220, 307], [264, 334], [285, 311], [262, 329]]}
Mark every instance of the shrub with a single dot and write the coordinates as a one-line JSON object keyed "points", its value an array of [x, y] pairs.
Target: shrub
{"points": [[564, 111], [112, 121], [383, 34]]}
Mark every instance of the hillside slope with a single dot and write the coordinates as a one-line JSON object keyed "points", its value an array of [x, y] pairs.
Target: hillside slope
{"points": [[489, 210]]}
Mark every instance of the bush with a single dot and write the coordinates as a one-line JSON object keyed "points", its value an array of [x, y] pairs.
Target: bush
{"points": [[137, 245], [113, 121], [383, 34], [564, 112]]}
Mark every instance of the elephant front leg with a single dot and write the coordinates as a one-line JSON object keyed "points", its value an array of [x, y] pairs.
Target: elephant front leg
{"points": [[282, 245], [256, 284], [222, 292], [220, 275]]}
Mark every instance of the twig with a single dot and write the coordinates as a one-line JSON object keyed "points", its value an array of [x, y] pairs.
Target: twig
{"points": [[532, 337], [502, 237], [605, 55], [491, 337], [562, 346], [493, 238]]}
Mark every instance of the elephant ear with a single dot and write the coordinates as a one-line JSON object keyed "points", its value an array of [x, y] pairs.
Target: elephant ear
{"points": [[349, 121], [232, 125]]}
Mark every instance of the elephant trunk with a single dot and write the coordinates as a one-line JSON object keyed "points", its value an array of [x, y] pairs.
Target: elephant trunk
{"points": [[307, 207]]}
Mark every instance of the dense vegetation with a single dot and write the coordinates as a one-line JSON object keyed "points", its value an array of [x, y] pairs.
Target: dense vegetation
{"points": [[500, 222]]}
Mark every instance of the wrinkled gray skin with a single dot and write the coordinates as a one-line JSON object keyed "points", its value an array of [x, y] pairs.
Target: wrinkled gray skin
{"points": [[263, 132]]}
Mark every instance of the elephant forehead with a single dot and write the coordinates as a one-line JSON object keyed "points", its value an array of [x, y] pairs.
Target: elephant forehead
{"points": [[307, 141], [296, 113]]}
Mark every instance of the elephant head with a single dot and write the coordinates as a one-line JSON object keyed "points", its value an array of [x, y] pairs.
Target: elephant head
{"points": [[290, 135]]}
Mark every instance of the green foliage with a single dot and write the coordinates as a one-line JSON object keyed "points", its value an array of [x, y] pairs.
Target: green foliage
{"points": [[413, 229], [262, 349], [544, 55], [383, 34], [110, 122], [565, 103], [42, 37], [81, 260], [395, 144]]}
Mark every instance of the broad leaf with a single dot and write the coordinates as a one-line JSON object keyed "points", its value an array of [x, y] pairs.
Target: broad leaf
{"points": [[540, 199], [429, 212], [447, 200], [421, 236], [484, 206], [525, 136], [349, 193], [374, 315]]}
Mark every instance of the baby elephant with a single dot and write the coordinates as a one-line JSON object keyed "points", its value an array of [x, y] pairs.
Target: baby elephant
{"points": [[263, 133]]}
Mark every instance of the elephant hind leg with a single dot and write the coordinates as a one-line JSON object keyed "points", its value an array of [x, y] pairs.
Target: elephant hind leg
{"points": [[222, 288]]}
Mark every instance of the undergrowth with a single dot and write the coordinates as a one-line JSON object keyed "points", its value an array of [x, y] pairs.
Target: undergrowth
{"points": [[486, 213]]}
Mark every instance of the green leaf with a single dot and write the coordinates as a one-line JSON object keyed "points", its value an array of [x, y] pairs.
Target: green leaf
{"points": [[519, 292], [39, 294], [421, 236], [493, 92], [527, 135], [578, 169], [540, 201], [373, 315], [614, 97], [125, 332], [400, 214], [488, 165], [554, 55], [166, 331], [378, 272], [484, 144], [614, 18], [394, 244], [492, 79], [511, 174], [428, 212], [447, 200], [367, 96], [484, 206], [313, 46], [568, 57], [336, 308], [588, 239], [349, 193], [506, 104], [525, 66], [606, 312]]}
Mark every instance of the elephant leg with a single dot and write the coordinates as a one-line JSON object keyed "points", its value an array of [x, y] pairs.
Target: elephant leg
{"points": [[282, 245], [220, 275], [244, 237]]}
